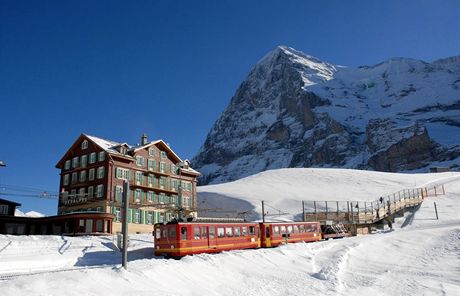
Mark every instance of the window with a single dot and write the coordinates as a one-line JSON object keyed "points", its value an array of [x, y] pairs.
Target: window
{"points": [[183, 233], [162, 167], [204, 232], [118, 193], [92, 157], [137, 195], [137, 217], [73, 193], [228, 232], [244, 231], [151, 164], [75, 162], [162, 182], [67, 165], [162, 197], [302, 228], [150, 196], [289, 229], [163, 154], [149, 218], [220, 232], [3, 210], [74, 178], [252, 230], [140, 161], [91, 175], [152, 152], [84, 161], [100, 190], [122, 173], [90, 192], [101, 156], [66, 180], [174, 169], [89, 225], [276, 229], [84, 145], [150, 180], [236, 231], [99, 226], [81, 193], [100, 172], [212, 232], [82, 176], [139, 178], [172, 231], [283, 229], [117, 213], [196, 232]]}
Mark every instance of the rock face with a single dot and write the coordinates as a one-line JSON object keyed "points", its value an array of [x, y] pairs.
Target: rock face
{"points": [[294, 110]]}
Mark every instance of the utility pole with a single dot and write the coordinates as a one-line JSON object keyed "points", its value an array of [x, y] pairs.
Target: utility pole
{"points": [[263, 212], [124, 227]]}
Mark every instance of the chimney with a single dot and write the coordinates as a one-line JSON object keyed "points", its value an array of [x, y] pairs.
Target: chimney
{"points": [[144, 139]]}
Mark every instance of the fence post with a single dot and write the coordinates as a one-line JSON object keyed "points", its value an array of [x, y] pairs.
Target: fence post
{"points": [[352, 216], [436, 211], [443, 192], [303, 211], [316, 214], [372, 209], [326, 210], [337, 212], [435, 193]]}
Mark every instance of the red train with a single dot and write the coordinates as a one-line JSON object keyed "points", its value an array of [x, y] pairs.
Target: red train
{"points": [[178, 239]]}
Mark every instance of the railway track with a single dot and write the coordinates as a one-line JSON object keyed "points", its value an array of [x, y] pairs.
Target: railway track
{"points": [[14, 275]]}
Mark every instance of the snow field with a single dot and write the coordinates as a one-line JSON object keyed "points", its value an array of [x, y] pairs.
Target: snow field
{"points": [[420, 257]]}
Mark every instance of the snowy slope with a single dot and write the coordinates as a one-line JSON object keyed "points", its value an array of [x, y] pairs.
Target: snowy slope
{"points": [[294, 110], [285, 189], [421, 258]]}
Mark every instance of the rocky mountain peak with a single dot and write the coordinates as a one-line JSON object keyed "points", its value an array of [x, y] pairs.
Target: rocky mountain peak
{"points": [[294, 110]]}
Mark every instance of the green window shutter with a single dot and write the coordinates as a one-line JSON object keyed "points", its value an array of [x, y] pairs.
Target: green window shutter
{"points": [[142, 216], [129, 215], [133, 212]]}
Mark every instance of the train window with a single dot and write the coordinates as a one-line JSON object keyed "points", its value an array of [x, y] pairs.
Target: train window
{"points": [[313, 228], [220, 232], [163, 234], [158, 233], [196, 232], [204, 232], [228, 231], [289, 229], [211, 232], [307, 228], [236, 231], [252, 230], [81, 225], [172, 231], [276, 229], [302, 228], [296, 229], [183, 233], [283, 229], [244, 231]]}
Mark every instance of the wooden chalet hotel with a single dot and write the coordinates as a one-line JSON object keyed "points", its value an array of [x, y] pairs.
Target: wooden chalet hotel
{"points": [[162, 186]]}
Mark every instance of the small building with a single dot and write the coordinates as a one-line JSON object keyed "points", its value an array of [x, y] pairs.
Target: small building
{"points": [[71, 224], [439, 169], [7, 207], [161, 186]]}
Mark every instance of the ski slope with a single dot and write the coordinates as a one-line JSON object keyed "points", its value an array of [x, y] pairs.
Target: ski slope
{"points": [[420, 257]]}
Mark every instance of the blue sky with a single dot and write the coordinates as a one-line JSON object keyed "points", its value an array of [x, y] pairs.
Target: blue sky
{"points": [[117, 69]]}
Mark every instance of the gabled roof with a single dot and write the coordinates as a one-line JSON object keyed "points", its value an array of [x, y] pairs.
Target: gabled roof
{"points": [[107, 145], [161, 142], [9, 202]]}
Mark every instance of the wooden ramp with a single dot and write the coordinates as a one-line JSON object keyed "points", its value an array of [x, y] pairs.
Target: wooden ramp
{"points": [[360, 216]]}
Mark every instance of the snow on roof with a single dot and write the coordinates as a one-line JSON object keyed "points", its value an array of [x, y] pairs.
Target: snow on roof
{"points": [[107, 145]]}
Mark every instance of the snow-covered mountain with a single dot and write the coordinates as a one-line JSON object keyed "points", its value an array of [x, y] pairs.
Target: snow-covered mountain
{"points": [[294, 110]]}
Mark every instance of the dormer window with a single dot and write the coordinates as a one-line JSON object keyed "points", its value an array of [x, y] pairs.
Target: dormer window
{"points": [[84, 145]]}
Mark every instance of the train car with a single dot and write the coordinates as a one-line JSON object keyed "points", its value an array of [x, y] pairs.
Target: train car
{"points": [[178, 239], [276, 233]]}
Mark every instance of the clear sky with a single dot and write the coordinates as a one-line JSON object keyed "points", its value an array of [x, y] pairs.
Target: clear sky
{"points": [[117, 69]]}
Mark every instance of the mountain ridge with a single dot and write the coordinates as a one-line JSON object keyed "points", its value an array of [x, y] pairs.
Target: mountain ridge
{"points": [[295, 110]]}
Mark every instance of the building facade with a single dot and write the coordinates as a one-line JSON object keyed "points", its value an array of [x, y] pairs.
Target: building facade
{"points": [[161, 185]]}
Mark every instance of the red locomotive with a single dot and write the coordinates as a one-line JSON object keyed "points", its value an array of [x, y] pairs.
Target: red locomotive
{"points": [[178, 239]]}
